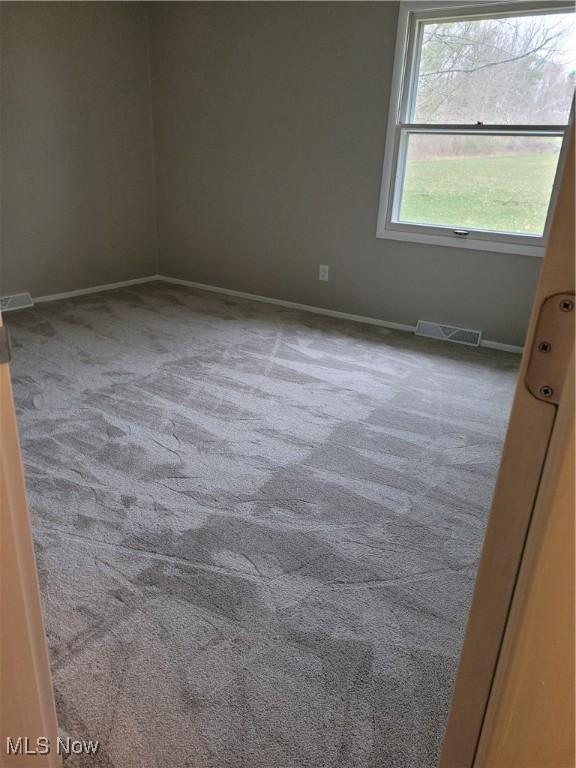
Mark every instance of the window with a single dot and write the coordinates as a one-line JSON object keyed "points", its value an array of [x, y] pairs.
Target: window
{"points": [[480, 105]]}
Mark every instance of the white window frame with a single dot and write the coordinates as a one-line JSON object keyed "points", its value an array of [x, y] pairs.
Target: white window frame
{"points": [[411, 14]]}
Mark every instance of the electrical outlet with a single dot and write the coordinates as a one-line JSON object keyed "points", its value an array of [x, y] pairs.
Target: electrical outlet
{"points": [[324, 272]]}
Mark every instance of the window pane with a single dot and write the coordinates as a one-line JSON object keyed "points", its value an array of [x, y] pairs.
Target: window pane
{"points": [[497, 183], [497, 70]]}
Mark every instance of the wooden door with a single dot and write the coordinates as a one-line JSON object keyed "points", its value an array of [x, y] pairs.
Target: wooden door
{"points": [[513, 702], [26, 699]]}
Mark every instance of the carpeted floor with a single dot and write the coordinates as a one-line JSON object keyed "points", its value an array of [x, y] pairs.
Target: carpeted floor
{"points": [[257, 529]]}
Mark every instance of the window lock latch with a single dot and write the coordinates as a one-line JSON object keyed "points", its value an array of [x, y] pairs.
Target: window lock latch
{"points": [[461, 232]]}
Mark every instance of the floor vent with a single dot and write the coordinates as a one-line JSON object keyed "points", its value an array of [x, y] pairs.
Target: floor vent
{"points": [[17, 301], [448, 333]]}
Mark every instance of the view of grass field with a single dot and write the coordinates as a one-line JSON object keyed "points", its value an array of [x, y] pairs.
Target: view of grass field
{"points": [[508, 193]]}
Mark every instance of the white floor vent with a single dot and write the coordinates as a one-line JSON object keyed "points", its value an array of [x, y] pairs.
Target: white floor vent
{"points": [[448, 333], [16, 301]]}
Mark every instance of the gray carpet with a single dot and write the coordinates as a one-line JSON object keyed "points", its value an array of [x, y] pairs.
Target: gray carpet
{"points": [[257, 529]]}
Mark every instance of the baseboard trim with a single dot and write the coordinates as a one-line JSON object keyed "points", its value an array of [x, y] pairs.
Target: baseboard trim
{"points": [[289, 304], [502, 347], [322, 311], [265, 300], [96, 289]]}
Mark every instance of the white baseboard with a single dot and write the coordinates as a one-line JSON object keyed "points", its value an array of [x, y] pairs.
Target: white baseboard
{"points": [[266, 300], [289, 304], [96, 289], [502, 347], [322, 311]]}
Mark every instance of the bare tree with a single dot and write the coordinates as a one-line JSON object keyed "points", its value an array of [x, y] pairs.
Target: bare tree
{"points": [[507, 70]]}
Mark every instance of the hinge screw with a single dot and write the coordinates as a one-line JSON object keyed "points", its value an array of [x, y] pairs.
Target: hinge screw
{"points": [[544, 346], [546, 391], [566, 305]]}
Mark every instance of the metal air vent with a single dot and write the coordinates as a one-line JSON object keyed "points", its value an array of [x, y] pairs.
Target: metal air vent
{"points": [[16, 301], [448, 333]]}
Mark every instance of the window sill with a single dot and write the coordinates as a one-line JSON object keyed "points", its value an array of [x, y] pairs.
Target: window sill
{"points": [[467, 243]]}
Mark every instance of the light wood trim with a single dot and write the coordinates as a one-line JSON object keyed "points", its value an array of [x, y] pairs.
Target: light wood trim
{"points": [[530, 427], [26, 699], [530, 717]]}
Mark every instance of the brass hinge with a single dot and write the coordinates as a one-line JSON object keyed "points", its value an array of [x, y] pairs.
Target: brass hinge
{"points": [[552, 348], [5, 351]]}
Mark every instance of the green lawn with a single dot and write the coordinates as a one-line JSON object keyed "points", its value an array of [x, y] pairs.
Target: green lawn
{"points": [[509, 193]]}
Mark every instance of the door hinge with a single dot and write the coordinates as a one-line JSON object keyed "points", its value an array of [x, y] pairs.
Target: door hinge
{"points": [[5, 351], [552, 348]]}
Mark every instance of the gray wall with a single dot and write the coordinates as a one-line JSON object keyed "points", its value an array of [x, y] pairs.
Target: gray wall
{"points": [[269, 137], [270, 122], [77, 179]]}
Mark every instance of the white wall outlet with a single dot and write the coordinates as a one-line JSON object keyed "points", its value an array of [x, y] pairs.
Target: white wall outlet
{"points": [[324, 272]]}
